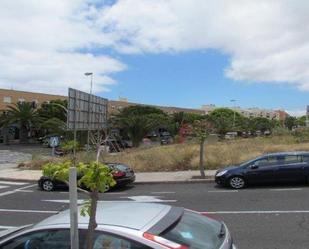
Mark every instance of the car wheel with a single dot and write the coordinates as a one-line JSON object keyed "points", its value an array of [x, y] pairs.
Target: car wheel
{"points": [[107, 188], [237, 182], [48, 185]]}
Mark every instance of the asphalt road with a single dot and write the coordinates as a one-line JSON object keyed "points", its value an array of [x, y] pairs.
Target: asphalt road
{"points": [[270, 217]]}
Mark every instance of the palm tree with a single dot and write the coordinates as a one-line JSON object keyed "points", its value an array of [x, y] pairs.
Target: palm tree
{"points": [[24, 115], [138, 121]]}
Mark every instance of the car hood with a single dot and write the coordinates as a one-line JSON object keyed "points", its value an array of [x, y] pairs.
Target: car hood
{"points": [[228, 168]]}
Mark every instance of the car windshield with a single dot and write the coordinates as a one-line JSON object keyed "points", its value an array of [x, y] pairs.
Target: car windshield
{"points": [[196, 231], [120, 167], [249, 162]]}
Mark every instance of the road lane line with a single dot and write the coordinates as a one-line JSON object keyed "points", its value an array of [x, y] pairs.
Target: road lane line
{"points": [[222, 191], [259, 212], [28, 211], [2, 187], [17, 190], [166, 192], [285, 189], [7, 193], [13, 183]]}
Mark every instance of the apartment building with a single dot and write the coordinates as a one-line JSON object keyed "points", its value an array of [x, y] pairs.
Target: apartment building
{"points": [[252, 112], [114, 106], [9, 97]]}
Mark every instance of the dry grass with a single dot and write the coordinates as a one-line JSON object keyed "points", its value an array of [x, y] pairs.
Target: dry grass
{"points": [[186, 156]]}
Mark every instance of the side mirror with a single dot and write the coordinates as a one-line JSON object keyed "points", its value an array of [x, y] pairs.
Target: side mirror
{"points": [[254, 166]]}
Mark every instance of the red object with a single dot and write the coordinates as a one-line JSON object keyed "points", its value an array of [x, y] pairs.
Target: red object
{"points": [[164, 242], [118, 174], [184, 131]]}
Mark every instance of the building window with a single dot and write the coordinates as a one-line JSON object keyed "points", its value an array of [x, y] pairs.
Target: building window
{"points": [[7, 100]]}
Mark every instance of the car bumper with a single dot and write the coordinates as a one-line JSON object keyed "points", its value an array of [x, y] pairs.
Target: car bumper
{"points": [[221, 180], [125, 180]]}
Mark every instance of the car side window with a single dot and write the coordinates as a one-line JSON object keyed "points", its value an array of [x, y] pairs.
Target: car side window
{"points": [[46, 239], [292, 159], [111, 241], [266, 161], [305, 159]]}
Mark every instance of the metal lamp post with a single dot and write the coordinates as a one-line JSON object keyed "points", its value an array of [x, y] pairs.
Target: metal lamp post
{"points": [[88, 131], [234, 101]]}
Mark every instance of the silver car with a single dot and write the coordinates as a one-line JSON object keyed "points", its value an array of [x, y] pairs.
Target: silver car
{"points": [[126, 225]]}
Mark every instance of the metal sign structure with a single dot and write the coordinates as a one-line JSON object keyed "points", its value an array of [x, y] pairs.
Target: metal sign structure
{"points": [[86, 111]]}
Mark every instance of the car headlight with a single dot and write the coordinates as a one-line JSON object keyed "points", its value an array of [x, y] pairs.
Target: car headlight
{"points": [[221, 173]]}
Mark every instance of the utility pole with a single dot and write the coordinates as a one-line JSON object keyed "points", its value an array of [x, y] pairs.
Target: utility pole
{"points": [[234, 101], [88, 129]]}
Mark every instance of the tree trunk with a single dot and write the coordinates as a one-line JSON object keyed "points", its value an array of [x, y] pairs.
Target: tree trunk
{"points": [[6, 139], [92, 219], [202, 159], [23, 135]]}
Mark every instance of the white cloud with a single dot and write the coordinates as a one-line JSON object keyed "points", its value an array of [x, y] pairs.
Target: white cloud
{"points": [[296, 113], [267, 40], [40, 42]]}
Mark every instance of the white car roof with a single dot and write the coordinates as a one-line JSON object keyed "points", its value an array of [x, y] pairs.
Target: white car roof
{"points": [[131, 215]]}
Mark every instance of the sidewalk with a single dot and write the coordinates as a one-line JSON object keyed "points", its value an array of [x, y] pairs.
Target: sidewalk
{"points": [[15, 174]]}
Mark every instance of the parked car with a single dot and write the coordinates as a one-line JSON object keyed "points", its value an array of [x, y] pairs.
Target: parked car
{"points": [[283, 167], [122, 174], [126, 225]]}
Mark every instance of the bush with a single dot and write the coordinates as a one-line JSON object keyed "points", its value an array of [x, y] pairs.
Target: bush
{"points": [[68, 146], [280, 131], [301, 135]]}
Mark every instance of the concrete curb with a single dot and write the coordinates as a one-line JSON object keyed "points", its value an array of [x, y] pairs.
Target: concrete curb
{"points": [[206, 180], [173, 181]]}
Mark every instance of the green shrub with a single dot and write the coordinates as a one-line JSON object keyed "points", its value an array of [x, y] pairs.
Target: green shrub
{"points": [[301, 135]]}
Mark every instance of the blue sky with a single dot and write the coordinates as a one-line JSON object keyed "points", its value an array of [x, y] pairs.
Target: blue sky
{"points": [[165, 52], [191, 79]]}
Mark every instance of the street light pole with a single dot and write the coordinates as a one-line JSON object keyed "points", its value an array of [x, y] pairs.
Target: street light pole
{"points": [[234, 101], [88, 131]]}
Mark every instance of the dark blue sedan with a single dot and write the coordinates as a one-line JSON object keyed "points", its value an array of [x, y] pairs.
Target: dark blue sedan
{"points": [[283, 167]]}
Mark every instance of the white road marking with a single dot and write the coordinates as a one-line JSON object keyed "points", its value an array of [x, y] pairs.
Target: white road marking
{"points": [[29, 211], [65, 201], [286, 189], [163, 192], [6, 227], [16, 190], [146, 198], [222, 191], [260, 212], [7, 193], [13, 183], [133, 199], [1, 187]]}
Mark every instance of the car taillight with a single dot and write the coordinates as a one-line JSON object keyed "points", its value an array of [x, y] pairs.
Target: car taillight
{"points": [[211, 216], [118, 173], [164, 242]]}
